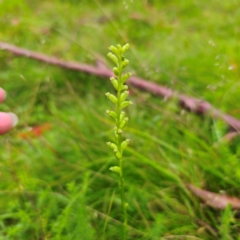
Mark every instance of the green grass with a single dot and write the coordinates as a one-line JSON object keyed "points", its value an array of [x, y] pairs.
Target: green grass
{"points": [[58, 186]]}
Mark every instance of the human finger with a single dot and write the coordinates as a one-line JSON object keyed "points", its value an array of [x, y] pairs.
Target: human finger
{"points": [[7, 121]]}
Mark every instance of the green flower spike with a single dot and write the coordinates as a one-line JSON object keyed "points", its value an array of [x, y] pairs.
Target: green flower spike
{"points": [[120, 101]]}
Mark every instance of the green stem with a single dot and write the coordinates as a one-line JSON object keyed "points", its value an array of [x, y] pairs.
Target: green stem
{"points": [[119, 140], [124, 215]]}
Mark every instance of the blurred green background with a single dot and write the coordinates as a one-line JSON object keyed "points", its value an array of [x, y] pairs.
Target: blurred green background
{"points": [[56, 184]]}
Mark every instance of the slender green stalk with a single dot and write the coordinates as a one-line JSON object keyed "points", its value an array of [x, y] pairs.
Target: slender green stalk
{"points": [[106, 220], [120, 120]]}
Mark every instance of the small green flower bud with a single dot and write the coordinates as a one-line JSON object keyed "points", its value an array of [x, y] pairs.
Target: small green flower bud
{"points": [[112, 114], [121, 86], [113, 58], [114, 50], [115, 70], [119, 131], [115, 169], [111, 97], [125, 47], [122, 115], [114, 82], [124, 87], [124, 144], [115, 133], [126, 76], [118, 155], [113, 146], [123, 123], [125, 62], [125, 104], [124, 96]]}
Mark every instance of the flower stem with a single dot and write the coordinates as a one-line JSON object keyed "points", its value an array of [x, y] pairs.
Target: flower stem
{"points": [[123, 207], [118, 147]]}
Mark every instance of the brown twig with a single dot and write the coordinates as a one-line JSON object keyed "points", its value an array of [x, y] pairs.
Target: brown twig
{"points": [[215, 200], [192, 104]]}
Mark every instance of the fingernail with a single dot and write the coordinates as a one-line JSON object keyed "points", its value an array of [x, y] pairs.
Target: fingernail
{"points": [[14, 118], [4, 93]]}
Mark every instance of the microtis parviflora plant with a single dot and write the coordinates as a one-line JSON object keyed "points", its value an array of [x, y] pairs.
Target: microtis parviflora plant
{"points": [[120, 119]]}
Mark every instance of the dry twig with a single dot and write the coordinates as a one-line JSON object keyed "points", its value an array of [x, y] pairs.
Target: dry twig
{"points": [[191, 104]]}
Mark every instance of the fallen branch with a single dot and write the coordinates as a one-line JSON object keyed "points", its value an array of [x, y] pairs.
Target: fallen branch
{"points": [[215, 200], [191, 104]]}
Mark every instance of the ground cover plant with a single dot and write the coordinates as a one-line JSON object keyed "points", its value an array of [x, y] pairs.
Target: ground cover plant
{"points": [[55, 178]]}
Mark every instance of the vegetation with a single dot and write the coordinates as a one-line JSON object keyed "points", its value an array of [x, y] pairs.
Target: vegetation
{"points": [[55, 180], [120, 119]]}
